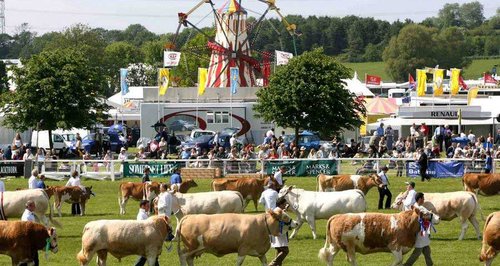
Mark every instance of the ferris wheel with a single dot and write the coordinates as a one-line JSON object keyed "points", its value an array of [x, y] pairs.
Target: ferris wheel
{"points": [[231, 45]]}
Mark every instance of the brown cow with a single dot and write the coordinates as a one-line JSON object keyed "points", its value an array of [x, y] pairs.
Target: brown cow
{"points": [[486, 184], [491, 239], [136, 191], [250, 188], [346, 182], [185, 186], [20, 240], [222, 234], [367, 233], [72, 194]]}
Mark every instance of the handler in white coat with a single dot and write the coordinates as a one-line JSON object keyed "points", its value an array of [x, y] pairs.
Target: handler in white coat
{"points": [[164, 201]]}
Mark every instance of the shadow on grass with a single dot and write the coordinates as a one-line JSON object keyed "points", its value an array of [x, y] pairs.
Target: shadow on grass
{"points": [[88, 215]]}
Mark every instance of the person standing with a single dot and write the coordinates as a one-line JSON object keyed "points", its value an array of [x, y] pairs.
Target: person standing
{"points": [[423, 164], [489, 163], [410, 196], [389, 133], [383, 189], [175, 180], [422, 244], [40, 183], [278, 177], [141, 216], [74, 180], [32, 179], [164, 201], [269, 196], [29, 216], [280, 243], [145, 176]]}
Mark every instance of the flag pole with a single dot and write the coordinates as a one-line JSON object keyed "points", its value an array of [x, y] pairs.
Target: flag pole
{"points": [[231, 105], [197, 98], [158, 101]]}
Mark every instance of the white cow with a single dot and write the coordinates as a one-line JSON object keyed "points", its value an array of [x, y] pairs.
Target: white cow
{"points": [[14, 204], [207, 203], [449, 206], [122, 238], [312, 205]]}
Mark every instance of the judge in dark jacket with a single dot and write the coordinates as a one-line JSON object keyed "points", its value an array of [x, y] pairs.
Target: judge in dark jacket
{"points": [[423, 164]]}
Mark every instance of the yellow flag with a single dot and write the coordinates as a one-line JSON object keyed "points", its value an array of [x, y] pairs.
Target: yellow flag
{"points": [[472, 94], [163, 81], [202, 80], [421, 82], [437, 79], [454, 84]]}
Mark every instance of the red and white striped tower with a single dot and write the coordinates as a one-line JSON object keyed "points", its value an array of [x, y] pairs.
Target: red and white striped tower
{"points": [[231, 48]]}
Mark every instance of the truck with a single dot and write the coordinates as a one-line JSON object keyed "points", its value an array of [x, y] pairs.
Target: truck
{"points": [[61, 139]]}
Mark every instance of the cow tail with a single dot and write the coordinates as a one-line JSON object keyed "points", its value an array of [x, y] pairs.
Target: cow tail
{"points": [[178, 236], [213, 185], [325, 252], [478, 206], [363, 196], [51, 211]]}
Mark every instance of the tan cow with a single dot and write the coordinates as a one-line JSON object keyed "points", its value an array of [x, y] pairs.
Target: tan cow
{"points": [[19, 240], [72, 194], [123, 238], [346, 182], [185, 186], [367, 233], [250, 188], [491, 239], [448, 206], [14, 204], [222, 234], [486, 184], [136, 191]]}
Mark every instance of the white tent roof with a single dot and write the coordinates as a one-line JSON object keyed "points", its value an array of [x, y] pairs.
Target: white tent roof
{"points": [[398, 121], [357, 87], [134, 93]]}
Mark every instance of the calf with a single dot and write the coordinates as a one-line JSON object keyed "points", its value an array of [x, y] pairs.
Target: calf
{"points": [[346, 182], [221, 234], [367, 233], [137, 191], [250, 188], [185, 186], [491, 239], [486, 184], [449, 206], [72, 194], [21, 240], [122, 238], [312, 205]]}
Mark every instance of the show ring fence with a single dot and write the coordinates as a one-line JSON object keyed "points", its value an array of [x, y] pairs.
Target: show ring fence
{"points": [[204, 168]]}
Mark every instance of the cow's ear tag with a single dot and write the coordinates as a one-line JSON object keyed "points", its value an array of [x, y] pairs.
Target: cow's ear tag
{"points": [[295, 206]]}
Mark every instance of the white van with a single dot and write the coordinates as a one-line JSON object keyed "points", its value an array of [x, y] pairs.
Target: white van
{"points": [[60, 139]]}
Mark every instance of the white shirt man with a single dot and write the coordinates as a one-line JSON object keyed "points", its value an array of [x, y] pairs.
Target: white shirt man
{"points": [[269, 198], [28, 214], [74, 181], [410, 196], [32, 180], [143, 211], [164, 201], [278, 176]]}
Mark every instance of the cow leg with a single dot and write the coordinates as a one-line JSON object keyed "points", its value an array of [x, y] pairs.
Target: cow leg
{"points": [[351, 254], [85, 256], [475, 224], [122, 201], [82, 209], [464, 226], [312, 224], [263, 260], [101, 257], [240, 260], [300, 221], [57, 206], [398, 257]]}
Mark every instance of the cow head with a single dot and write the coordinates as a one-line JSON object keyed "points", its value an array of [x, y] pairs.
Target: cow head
{"points": [[279, 222], [376, 179], [51, 240], [88, 192], [291, 197], [428, 216], [398, 202], [170, 231], [152, 189]]}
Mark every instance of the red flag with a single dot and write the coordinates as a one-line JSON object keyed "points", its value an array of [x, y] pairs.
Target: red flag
{"points": [[462, 83], [411, 82], [489, 79], [373, 80]]}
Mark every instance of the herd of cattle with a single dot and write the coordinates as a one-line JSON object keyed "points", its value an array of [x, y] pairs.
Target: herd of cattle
{"points": [[212, 222]]}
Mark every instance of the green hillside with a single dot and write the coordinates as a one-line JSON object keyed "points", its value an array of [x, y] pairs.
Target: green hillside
{"points": [[473, 71]]}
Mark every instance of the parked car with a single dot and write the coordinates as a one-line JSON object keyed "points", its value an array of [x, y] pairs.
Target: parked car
{"points": [[181, 125], [110, 141], [199, 132], [307, 139], [206, 142]]}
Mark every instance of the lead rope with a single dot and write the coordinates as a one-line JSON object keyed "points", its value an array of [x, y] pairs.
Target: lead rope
{"points": [[47, 248]]}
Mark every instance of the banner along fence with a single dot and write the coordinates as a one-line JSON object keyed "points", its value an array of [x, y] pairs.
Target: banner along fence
{"points": [[115, 169]]}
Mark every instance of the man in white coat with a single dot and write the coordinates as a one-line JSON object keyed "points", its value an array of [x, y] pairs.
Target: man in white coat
{"points": [[280, 243], [410, 196], [269, 196], [32, 180], [164, 201], [143, 214], [74, 180]]}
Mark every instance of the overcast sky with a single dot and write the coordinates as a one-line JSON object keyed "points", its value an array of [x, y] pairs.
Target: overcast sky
{"points": [[160, 16]]}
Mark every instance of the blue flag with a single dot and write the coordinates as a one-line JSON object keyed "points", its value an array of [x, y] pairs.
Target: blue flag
{"points": [[123, 80], [235, 73]]}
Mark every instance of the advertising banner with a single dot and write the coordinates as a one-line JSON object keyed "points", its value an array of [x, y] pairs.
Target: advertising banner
{"points": [[157, 169], [11, 168], [437, 169], [303, 168]]}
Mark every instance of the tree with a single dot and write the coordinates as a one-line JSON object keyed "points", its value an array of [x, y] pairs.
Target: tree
{"points": [[142, 75], [137, 34], [449, 16], [4, 79], [59, 88], [120, 55], [414, 47], [471, 15], [153, 52], [308, 93]]}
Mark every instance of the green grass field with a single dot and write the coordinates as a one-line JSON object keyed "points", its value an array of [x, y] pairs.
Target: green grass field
{"points": [[473, 71], [446, 250]]}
